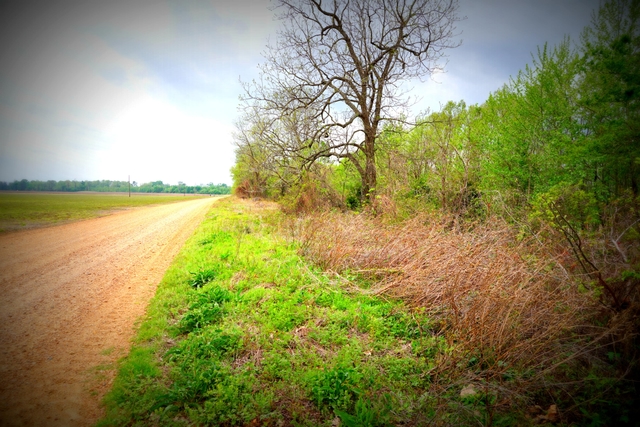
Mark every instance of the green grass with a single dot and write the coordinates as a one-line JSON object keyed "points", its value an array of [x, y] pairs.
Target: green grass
{"points": [[242, 330], [25, 210]]}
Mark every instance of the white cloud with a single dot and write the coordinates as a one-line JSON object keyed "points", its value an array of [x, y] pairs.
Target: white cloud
{"points": [[153, 140]]}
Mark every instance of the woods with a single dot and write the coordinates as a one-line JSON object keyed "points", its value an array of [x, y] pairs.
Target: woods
{"points": [[569, 118], [558, 143], [551, 159]]}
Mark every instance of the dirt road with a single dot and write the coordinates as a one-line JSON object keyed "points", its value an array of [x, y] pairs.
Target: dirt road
{"points": [[69, 297]]}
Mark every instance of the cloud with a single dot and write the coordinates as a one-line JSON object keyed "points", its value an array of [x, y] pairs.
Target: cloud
{"points": [[85, 84], [195, 52], [499, 38], [154, 140], [98, 90]]}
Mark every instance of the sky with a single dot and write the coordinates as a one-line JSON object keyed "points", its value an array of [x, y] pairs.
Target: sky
{"points": [[149, 89]]}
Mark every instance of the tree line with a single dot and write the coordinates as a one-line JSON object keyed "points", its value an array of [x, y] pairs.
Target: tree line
{"points": [[558, 146], [113, 186], [559, 141], [551, 159]]}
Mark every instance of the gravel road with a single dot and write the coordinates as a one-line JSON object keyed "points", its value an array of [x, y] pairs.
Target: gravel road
{"points": [[69, 298]]}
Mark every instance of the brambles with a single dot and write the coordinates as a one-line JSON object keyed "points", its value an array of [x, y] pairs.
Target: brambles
{"points": [[506, 310]]}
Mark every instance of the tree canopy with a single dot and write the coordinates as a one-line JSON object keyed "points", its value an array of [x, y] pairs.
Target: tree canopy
{"points": [[331, 99]]}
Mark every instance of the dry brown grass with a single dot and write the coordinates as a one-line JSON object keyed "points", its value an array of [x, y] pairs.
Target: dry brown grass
{"points": [[313, 194], [504, 303]]}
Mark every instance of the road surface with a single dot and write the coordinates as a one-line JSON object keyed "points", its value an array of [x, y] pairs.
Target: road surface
{"points": [[69, 298]]}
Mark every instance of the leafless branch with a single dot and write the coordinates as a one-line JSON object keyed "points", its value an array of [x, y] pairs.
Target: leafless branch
{"points": [[339, 65]]}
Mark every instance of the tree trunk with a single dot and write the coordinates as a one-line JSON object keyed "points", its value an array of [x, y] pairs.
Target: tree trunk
{"points": [[370, 177]]}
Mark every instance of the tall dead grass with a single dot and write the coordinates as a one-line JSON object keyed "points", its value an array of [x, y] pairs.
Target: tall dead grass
{"points": [[507, 307]]}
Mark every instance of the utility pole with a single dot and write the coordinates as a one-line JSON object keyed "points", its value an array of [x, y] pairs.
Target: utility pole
{"points": [[129, 185]]}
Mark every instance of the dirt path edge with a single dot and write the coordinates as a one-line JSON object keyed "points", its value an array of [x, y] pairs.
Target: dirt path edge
{"points": [[69, 298]]}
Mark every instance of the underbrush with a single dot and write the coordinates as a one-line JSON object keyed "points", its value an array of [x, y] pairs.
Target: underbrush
{"points": [[528, 338]]}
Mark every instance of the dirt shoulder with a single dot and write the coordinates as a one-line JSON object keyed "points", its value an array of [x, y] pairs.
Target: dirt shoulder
{"points": [[69, 298]]}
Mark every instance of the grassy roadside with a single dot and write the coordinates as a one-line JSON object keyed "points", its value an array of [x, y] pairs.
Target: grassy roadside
{"points": [[242, 331], [28, 210]]}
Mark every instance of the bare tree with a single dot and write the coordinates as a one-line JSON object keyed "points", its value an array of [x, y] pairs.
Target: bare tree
{"points": [[341, 66], [270, 151]]}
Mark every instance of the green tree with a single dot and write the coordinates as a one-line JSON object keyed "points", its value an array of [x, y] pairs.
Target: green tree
{"points": [[532, 132], [610, 97], [254, 169]]}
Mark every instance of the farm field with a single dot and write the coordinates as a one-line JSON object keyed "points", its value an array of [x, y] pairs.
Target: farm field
{"points": [[24, 210]]}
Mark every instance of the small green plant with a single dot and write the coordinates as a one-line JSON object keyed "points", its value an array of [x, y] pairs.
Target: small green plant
{"points": [[196, 379], [200, 316], [206, 308], [210, 343], [202, 277], [365, 414], [336, 388]]}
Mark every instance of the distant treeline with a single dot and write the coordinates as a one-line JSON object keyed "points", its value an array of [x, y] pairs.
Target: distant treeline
{"points": [[116, 186]]}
